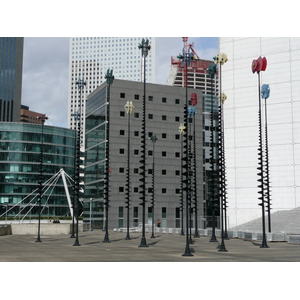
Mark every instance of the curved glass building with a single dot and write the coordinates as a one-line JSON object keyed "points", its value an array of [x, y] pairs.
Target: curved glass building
{"points": [[20, 152]]}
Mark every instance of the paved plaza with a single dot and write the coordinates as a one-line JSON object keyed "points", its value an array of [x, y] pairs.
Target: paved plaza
{"points": [[162, 248]]}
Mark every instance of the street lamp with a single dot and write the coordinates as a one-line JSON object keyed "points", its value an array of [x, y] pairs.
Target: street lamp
{"points": [[129, 109], [153, 138], [257, 66], [42, 118], [145, 47]]}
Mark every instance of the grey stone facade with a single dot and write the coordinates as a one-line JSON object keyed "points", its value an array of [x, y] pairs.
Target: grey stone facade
{"points": [[164, 114]]}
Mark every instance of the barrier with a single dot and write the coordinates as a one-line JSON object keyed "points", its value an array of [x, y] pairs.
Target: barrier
{"points": [[5, 229]]}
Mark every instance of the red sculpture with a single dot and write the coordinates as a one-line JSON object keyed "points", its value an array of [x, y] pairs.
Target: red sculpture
{"points": [[194, 99], [259, 64]]}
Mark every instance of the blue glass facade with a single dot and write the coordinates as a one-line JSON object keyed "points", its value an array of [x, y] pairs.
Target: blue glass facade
{"points": [[11, 61], [19, 167]]}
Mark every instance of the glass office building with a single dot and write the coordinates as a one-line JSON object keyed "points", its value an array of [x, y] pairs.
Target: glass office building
{"points": [[241, 123], [20, 146], [11, 65]]}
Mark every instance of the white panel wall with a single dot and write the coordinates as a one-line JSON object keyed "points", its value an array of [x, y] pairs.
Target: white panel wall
{"points": [[241, 123]]}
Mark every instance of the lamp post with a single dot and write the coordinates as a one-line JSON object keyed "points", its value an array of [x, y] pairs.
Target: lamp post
{"points": [[129, 109], [80, 83], [145, 47], [181, 130], [42, 118], [257, 66], [153, 138], [109, 80], [265, 93]]}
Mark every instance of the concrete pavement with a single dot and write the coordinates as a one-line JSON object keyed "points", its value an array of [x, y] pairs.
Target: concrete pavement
{"points": [[163, 248]]}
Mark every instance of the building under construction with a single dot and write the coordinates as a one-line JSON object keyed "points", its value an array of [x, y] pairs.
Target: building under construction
{"points": [[192, 71], [197, 75]]}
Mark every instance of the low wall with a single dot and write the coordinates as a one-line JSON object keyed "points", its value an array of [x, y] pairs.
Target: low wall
{"points": [[45, 229], [5, 229]]}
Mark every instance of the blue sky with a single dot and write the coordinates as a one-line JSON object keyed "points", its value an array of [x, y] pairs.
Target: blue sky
{"points": [[46, 63]]}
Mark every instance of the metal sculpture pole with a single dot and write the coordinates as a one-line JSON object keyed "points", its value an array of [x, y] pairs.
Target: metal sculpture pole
{"points": [[153, 138], [80, 83], [186, 60], [43, 118], [109, 80], [265, 93], [194, 102], [145, 47], [260, 65], [129, 109], [212, 70], [220, 59], [224, 169], [181, 130], [76, 116], [190, 156]]}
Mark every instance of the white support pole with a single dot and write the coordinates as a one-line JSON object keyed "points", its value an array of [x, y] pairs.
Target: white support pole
{"points": [[62, 172]]}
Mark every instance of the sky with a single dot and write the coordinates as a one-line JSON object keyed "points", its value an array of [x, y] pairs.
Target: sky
{"points": [[46, 67]]}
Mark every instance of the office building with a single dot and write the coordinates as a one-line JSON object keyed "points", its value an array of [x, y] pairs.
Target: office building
{"points": [[91, 57], [164, 115], [20, 146], [11, 65], [29, 116], [241, 123]]}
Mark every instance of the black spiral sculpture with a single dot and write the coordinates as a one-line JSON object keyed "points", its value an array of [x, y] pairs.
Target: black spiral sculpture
{"points": [[187, 178], [261, 178], [196, 233], [222, 176], [181, 130], [265, 93], [257, 66], [212, 191], [109, 79], [145, 47]]}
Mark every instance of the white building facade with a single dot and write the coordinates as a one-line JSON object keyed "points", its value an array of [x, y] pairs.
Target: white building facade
{"points": [[241, 123], [91, 57]]}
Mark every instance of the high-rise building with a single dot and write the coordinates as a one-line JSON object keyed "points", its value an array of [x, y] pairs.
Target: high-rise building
{"points": [[241, 123], [11, 65], [164, 115], [91, 57]]}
